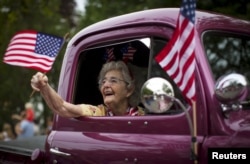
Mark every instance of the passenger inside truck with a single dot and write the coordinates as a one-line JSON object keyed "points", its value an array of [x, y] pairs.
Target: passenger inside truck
{"points": [[135, 53]]}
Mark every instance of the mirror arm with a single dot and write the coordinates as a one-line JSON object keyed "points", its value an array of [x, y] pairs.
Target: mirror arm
{"points": [[226, 108], [191, 128], [245, 102], [187, 115], [163, 89], [230, 107]]}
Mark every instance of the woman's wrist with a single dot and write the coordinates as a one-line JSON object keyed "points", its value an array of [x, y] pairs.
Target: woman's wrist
{"points": [[43, 87]]}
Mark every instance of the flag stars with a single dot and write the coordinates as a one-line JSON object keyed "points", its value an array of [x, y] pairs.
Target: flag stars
{"points": [[47, 45], [39, 56], [188, 9], [181, 49]]}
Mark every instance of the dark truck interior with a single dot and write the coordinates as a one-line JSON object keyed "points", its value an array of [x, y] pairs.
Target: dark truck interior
{"points": [[91, 61]]}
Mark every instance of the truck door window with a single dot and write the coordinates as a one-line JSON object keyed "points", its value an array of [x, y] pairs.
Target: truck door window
{"points": [[157, 71], [227, 53], [142, 67], [91, 61]]}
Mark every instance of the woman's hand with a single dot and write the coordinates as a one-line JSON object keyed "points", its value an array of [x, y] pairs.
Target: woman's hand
{"points": [[38, 81]]}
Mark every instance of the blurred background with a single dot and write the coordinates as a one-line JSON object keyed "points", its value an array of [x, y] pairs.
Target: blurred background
{"points": [[59, 17]]}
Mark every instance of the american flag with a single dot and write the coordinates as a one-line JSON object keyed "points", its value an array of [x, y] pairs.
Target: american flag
{"points": [[32, 49], [109, 54], [128, 52], [178, 56]]}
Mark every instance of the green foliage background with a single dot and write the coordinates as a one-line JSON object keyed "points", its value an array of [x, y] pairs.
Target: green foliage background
{"points": [[60, 17]]}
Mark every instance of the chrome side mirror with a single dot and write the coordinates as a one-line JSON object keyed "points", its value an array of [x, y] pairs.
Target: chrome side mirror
{"points": [[231, 90], [157, 95]]}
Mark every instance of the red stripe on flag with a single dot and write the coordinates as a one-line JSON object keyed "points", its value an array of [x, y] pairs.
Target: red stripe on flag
{"points": [[32, 49], [178, 56]]}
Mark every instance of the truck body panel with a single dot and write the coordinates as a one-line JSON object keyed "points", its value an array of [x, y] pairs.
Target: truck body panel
{"points": [[150, 138]]}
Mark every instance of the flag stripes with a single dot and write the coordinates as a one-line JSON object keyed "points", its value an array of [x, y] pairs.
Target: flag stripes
{"points": [[33, 50], [178, 56]]}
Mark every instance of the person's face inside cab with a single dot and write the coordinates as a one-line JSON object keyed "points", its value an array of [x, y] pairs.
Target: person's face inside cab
{"points": [[114, 89]]}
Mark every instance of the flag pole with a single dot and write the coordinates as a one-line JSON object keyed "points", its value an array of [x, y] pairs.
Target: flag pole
{"points": [[194, 138], [64, 38]]}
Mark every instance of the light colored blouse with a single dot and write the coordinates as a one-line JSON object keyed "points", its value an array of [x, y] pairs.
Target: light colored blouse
{"points": [[102, 110]]}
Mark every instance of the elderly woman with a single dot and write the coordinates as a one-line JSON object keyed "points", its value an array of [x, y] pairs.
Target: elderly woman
{"points": [[116, 86]]}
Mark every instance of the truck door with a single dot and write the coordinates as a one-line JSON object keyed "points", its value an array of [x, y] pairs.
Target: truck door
{"points": [[228, 52], [153, 138]]}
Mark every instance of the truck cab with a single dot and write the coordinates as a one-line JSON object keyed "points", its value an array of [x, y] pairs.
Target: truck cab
{"points": [[222, 50]]}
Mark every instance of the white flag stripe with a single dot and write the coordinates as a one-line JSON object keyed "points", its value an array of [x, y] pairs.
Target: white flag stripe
{"points": [[24, 35], [186, 53], [182, 45], [188, 74], [183, 61], [191, 92], [17, 46], [33, 49], [21, 41], [30, 65], [179, 63], [165, 61], [175, 66], [24, 58], [14, 52], [31, 54], [178, 76], [187, 30]]}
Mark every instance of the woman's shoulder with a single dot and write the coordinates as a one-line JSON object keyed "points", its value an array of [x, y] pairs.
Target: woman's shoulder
{"points": [[141, 111], [91, 110]]}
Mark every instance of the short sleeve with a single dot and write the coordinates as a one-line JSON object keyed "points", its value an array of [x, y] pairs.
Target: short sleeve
{"points": [[140, 111], [90, 110]]}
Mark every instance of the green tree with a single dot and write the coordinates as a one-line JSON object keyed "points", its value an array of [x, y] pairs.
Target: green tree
{"points": [[47, 16], [96, 10]]}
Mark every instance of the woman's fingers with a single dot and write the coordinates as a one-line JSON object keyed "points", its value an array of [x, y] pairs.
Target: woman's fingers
{"points": [[38, 81]]}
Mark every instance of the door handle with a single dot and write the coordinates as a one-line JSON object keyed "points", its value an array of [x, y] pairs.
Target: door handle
{"points": [[57, 152]]}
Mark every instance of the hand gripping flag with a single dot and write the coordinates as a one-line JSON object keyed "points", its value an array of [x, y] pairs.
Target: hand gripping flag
{"points": [[178, 56], [34, 50]]}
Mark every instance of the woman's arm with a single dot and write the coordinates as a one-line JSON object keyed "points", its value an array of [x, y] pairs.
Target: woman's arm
{"points": [[39, 82]]}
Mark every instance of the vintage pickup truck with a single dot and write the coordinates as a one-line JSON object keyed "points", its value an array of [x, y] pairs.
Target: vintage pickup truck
{"points": [[163, 135]]}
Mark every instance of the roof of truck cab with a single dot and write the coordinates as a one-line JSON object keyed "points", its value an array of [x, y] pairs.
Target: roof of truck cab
{"points": [[204, 20]]}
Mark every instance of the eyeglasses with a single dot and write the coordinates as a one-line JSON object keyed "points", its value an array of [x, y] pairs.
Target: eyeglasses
{"points": [[111, 81]]}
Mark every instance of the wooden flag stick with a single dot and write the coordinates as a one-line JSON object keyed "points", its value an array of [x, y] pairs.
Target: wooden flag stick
{"points": [[195, 145], [35, 90], [64, 38]]}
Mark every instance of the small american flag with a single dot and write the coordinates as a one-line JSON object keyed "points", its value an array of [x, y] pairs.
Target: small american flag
{"points": [[128, 52], [109, 54], [32, 49], [178, 56]]}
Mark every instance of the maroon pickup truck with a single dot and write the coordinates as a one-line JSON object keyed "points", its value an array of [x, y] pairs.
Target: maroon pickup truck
{"points": [[163, 135]]}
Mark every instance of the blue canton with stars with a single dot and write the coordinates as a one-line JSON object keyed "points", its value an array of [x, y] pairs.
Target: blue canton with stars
{"points": [[188, 9], [48, 45]]}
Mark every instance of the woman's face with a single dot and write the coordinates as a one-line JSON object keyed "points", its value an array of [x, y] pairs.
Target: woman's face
{"points": [[114, 89]]}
